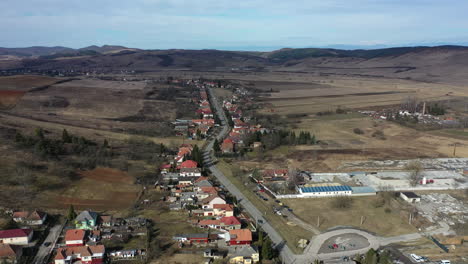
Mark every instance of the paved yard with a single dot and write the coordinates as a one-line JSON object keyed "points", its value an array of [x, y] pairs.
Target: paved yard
{"points": [[345, 242]]}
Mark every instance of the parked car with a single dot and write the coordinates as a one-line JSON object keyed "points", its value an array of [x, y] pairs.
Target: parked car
{"points": [[444, 262], [47, 244], [416, 258]]}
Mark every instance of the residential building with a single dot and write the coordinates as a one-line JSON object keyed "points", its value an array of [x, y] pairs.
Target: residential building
{"points": [[211, 201], [75, 237], [227, 146], [16, 236], [84, 254], [198, 238], [30, 217], [86, 220], [10, 254], [188, 164], [190, 172], [223, 210], [243, 255], [240, 237]]}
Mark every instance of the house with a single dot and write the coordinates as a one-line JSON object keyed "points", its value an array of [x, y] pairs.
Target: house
{"points": [[243, 255], [275, 175], [410, 197], [170, 176], [165, 168], [240, 237], [106, 220], [213, 254], [198, 238], [10, 253], [187, 181], [227, 146], [75, 237], [86, 220], [202, 182], [211, 201], [202, 213], [210, 223], [188, 164], [230, 222], [188, 198], [30, 218], [84, 254], [325, 191], [16, 236], [223, 210], [190, 172]]}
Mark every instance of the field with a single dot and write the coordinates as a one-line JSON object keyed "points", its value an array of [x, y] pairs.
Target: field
{"points": [[376, 220], [25, 82], [99, 189], [289, 231]]}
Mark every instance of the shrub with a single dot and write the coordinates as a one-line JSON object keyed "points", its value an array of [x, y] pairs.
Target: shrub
{"points": [[342, 202], [388, 210], [379, 134], [358, 131]]}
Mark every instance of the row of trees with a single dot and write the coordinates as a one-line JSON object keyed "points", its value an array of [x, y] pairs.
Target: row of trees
{"points": [[278, 138]]}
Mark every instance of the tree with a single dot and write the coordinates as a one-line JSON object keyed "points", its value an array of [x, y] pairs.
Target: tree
{"points": [[39, 133], [371, 257], [66, 137], [216, 147], [267, 250], [19, 138], [71, 213], [105, 144], [414, 168]]}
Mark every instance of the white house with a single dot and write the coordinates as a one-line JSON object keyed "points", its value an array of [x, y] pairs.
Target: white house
{"points": [[190, 172], [30, 218], [211, 201], [16, 236]]}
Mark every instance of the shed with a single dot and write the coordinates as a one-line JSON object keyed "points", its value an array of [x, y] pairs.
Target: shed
{"points": [[410, 197]]}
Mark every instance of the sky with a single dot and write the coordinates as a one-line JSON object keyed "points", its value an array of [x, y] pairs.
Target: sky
{"points": [[233, 24]]}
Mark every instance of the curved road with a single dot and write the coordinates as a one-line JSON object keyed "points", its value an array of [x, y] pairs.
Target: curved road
{"points": [[311, 252]]}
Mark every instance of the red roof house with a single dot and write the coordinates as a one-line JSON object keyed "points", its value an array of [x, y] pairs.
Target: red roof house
{"points": [[240, 237], [188, 164], [85, 254], [75, 237], [16, 236], [227, 146]]}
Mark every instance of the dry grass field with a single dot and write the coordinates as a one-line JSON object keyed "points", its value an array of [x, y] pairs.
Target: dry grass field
{"points": [[376, 220], [25, 82], [99, 189]]}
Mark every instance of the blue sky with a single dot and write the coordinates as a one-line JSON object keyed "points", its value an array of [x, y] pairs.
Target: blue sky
{"points": [[232, 24]]}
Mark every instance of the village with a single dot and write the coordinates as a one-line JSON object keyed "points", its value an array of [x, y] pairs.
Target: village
{"points": [[228, 231]]}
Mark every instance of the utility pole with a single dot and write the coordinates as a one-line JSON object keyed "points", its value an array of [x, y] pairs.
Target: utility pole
{"points": [[318, 221], [362, 220], [410, 218], [454, 149]]}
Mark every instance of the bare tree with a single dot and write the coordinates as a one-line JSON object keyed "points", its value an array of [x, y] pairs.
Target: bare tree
{"points": [[414, 168], [410, 103]]}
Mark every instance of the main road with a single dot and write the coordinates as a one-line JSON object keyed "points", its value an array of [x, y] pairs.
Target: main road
{"points": [[311, 252]]}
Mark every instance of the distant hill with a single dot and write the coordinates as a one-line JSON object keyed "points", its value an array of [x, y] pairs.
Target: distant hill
{"points": [[439, 64], [48, 51]]}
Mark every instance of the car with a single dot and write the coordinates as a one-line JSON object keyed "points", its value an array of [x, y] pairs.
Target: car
{"points": [[260, 221], [416, 258], [265, 199], [279, 213], [444, 262], [46, 244], [290, 210], [278, 201]]}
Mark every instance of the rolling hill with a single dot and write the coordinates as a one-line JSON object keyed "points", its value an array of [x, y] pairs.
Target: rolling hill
{"points": [[435, 64]]}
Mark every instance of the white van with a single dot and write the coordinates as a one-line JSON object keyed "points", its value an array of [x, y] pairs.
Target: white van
{"points": [[444, 262]]}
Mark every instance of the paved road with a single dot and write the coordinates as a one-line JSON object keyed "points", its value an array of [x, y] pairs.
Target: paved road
{"points": [[43, 252], [311, 252]]}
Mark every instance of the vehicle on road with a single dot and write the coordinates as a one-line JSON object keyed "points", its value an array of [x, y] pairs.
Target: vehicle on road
{"points": [[260, 221], [416, 258], [444, 262], [47, 244]]}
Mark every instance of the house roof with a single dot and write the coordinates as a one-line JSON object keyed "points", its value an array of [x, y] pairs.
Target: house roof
{"points": [[210, 198], [230, 220], [211, 190], [203, 178], [244, 251], [7, 250], [189, 164], [63, 253], [11, 233], [87, 216], [241, 234], [34, 215], [226, 207], [75, 234], [411, 195]]}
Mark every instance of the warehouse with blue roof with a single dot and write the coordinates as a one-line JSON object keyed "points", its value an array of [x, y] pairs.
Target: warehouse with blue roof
{"points": [[323, 191]]}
